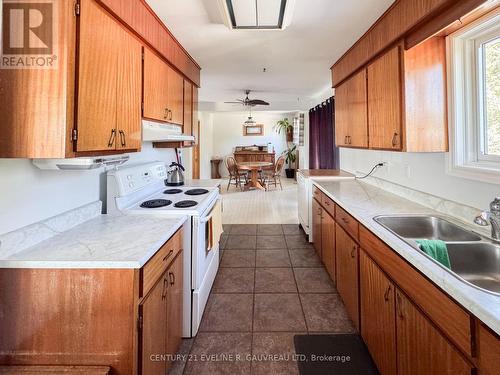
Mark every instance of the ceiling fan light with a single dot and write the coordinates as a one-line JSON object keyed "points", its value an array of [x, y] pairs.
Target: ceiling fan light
{"points": [[249, 122]]}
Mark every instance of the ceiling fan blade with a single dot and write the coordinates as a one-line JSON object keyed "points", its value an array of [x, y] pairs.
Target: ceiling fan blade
{"points": [[233, 102], [257, 102]]}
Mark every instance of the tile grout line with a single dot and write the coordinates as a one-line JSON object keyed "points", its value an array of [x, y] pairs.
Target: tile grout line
{"points": [[298, 294], [253, 311]]}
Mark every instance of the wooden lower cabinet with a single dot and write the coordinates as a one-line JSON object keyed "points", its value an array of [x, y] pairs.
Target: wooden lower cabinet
{"points": [[377, 311], [347, 272], [328, 243], [174, 307], [317, 213], [421, 348], [489, 350]]}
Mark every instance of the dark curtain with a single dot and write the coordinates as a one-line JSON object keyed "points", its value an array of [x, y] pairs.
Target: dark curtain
{"points": [[322, 151]]}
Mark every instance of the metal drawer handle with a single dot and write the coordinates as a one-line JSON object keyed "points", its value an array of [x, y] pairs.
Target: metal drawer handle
{"points": [[122, 138], [386, 294], [165, 286], [112, 138], [399, 306], [165, 114], [345, 220], [353, 252], [171, 276], [395, 139], [168, 255]]}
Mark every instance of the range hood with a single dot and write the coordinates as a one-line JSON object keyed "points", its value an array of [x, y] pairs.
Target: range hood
{"points": [[156, 132], [85, 163]]}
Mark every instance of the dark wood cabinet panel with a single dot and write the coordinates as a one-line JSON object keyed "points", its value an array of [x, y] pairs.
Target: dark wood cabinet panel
{"points": [[328, 243], [317, 213], [377, 311], [422, 349], [347, 272]]}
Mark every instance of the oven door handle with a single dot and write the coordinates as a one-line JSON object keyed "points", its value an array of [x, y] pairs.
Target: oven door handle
{"points": [[207, 218]]}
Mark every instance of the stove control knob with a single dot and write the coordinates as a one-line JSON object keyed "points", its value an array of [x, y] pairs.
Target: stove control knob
{"points": [[129, 177]]}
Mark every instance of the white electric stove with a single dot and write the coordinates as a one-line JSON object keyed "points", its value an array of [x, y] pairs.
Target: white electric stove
{"points": [[141, 190]]}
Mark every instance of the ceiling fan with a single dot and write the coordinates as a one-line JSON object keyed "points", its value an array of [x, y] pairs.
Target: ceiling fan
{"points": [[247, 102]]}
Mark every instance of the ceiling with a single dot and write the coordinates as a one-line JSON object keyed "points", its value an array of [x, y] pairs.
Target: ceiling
{"points": [[297, 59]]}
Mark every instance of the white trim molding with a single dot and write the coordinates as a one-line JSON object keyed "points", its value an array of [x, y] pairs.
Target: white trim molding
{"points": [[466, 158]]}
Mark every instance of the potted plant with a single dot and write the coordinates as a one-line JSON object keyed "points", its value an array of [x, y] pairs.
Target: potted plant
{"points": [[286, 127], [291, 156]]}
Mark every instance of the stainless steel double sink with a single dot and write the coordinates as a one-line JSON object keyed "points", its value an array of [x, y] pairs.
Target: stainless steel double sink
{"points": [[474, 259]]}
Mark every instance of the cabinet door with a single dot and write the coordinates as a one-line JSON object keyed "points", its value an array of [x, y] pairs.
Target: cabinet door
{"points": [[328, 243], [378, 326], [317, 212], [347, 273], [175, 97], [422, 349], [174, 305], [188, 108], [97, 78], [153, 335], [155, 89], [351, 122], [385, 101], [129, 92]]}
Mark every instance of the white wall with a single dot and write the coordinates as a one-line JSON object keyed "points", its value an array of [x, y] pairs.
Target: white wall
{"points": [[28, 194], [228, 132], [206, 143], [425, 172]]}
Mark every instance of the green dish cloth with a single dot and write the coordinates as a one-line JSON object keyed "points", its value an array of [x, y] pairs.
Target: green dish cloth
{"points": [[437, 250]]}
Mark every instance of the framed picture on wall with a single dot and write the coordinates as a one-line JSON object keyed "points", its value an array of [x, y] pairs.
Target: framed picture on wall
{"points": [[253, 130]]}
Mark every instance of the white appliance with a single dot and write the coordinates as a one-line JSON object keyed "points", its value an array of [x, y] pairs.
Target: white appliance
{"points": [[156, 132], [141, 190], [304, 188]]}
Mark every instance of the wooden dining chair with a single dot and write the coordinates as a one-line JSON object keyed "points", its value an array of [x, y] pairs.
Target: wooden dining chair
{"points": [[274, 175], [239, 177]]}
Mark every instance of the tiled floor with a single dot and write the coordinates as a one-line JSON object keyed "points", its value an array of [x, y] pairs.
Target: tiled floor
{"points": [[270, 286], [263, 207]]}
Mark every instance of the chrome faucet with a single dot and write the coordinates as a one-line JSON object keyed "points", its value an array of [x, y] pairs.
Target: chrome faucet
{"points": [[491, 217]]}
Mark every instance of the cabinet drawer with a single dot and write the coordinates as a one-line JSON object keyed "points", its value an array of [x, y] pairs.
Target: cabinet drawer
{"points": [[347, 222], [443, 311], [159, 263], [317, 194], [328, 204]]}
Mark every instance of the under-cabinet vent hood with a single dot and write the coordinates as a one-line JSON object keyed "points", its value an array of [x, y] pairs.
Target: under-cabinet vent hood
{"points": [[85, 163], [156, 132]]}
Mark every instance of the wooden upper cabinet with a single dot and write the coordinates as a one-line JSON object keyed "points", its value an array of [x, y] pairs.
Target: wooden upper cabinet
{"points": [[385, 101], [347, 272], [163, 90], [175, 83], [328, 243], [155, 88], [153, 334], [188, 108], [351, 122], [377, 312], [109, 75], [422, 349]]}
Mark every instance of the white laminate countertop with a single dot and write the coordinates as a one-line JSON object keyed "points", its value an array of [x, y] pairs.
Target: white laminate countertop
{"points": [[364, 202], [121, 241]]}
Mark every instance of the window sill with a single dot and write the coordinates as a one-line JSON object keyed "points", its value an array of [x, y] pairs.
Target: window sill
{"points": [[474, 171]]}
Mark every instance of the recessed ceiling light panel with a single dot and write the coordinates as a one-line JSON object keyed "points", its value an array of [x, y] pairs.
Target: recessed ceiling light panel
{"points": [[257, 14]]}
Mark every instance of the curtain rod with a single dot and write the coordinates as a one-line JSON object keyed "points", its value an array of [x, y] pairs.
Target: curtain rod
{"points": [[321, 104]]}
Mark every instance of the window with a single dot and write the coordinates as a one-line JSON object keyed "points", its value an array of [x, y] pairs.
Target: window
{"points": [[474, 93]]}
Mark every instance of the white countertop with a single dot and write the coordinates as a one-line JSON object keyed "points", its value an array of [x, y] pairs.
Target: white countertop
{"points": [[364, 202], [124, 241]]}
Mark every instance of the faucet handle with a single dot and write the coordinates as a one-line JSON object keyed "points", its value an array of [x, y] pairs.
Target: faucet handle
{"points": [[495, 206], [482, 219]]}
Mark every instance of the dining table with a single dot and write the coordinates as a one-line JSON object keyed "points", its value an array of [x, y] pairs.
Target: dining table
{"points": [[253, 167]]}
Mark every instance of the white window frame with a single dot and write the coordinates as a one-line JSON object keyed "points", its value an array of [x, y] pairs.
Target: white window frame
{"points": [[465, 110]]}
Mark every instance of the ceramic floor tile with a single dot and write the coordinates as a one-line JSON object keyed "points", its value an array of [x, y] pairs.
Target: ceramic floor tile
{"points": [[269, 229], [226, 228], [179, 364], [234, 280], [273, 258], [270, 242], [241, 242], [237, 258], [274, 280], [292, 229], [304, 258], [278, 312], [228, 312], [244, 229], [297, 241], [223, 241], [220, 354], [313, 280], [326, 313], [272, 353]]}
